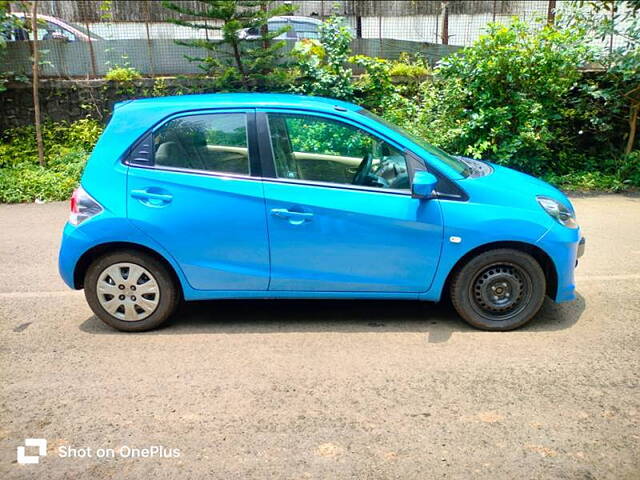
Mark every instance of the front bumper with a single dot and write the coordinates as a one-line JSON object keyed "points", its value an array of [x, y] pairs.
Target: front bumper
{"points": [[581, 248], [564, 246]]}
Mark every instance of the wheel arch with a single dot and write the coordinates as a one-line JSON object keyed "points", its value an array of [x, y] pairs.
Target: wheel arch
{"points": [[543, 259], [90, 255]]}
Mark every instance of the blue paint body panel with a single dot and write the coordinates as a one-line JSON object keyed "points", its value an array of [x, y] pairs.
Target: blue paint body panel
{"points": [[220, 236], [356, 241]]}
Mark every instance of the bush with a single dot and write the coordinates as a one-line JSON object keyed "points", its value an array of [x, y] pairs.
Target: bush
{"points": [[586, 181], [501, 98], [322, 64], [26, 183], [122, 74], [409, 68], [67, 148]]}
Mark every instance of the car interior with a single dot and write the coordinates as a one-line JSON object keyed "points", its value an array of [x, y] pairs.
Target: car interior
{"points": [[378, 165], [187, 147]]}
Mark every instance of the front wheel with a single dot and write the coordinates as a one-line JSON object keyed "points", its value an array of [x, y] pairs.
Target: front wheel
{"points": [[499, 290], [130, 290]]}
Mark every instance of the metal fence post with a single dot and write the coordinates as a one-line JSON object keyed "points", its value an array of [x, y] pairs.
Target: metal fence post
{"points": [[149, 45], [92, 54]]}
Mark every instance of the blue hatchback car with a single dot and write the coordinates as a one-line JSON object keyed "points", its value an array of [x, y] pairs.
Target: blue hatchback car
{"points": [[282, 196]]}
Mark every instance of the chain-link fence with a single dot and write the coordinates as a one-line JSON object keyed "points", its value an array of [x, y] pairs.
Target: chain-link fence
{"points": [[87, 38]]}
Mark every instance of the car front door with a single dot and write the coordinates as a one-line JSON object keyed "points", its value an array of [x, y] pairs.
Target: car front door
{"points": [[190, 188], [340, 213]]}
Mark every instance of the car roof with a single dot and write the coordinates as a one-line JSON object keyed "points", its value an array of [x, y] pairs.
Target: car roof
{"points": [[295, 18], [234, 100], [22, 15]]}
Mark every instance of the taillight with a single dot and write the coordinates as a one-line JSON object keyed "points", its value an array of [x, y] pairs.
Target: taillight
{"points": [[82, 207]]}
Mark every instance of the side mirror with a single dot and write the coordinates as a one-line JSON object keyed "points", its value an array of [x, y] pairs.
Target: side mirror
{"points": [[423, 185]]}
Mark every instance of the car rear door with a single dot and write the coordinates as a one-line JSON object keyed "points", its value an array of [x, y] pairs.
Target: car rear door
{"points": [[193, 187], [329, 235]]}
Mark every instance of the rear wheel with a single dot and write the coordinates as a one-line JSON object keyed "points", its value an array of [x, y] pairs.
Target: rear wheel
{"points": [[499, 290], [130, 290]]}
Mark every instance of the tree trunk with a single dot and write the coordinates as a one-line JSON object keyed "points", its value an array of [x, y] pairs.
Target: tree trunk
{"points": [[633, 124], [444, 27], [551, 12], [36, 80], [238, 59], [264, 29]]}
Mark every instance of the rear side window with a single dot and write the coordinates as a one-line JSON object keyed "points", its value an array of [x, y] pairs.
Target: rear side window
{"points": [[213, 142]]}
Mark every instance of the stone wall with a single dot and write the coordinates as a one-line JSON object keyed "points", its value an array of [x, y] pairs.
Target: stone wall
{"points": [[71, 100]]}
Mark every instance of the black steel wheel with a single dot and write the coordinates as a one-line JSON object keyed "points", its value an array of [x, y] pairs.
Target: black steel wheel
{"points": [[499, 290]]}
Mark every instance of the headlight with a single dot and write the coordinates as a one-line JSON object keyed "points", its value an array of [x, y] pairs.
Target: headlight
{"points": [[557, 210]]}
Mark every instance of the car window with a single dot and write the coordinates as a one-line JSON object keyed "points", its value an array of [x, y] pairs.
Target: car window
{"points": [[46, 31], [456, 164], [212, 142], [51, 31], [307, 147], [276, 25], [306, 30]]}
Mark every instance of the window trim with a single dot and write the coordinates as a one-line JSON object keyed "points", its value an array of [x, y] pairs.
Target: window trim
{"points": [[255, 165], [268, 161], [460, 194]]}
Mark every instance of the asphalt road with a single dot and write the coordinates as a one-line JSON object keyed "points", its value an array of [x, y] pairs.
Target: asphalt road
{"points": [[298, 389]]}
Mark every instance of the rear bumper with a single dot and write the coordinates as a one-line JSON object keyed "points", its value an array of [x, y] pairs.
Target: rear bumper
{"points": [[73, 245]]}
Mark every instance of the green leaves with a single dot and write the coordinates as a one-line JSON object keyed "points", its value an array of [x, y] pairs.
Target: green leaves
{"points": [[503, 96], [237, 60], [67, 149], [323, 64]]}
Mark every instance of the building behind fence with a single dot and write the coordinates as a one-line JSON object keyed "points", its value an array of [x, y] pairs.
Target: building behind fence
{"points": [[139, 33]]}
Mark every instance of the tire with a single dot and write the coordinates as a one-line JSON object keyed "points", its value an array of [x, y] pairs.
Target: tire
{"points": [[130, 290], [499, 290]]}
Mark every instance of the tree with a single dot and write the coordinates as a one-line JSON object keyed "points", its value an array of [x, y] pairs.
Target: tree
{"points": [[36, 80], [247, 54], [619, 87]]}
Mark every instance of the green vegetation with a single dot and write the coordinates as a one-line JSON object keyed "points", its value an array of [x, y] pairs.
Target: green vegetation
{"points": [[517, 97], [247, 56], [67, 147], [122, 74]]}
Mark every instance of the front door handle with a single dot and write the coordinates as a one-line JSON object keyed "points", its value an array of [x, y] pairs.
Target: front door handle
{"points": [[295, 218], [154, 199]]}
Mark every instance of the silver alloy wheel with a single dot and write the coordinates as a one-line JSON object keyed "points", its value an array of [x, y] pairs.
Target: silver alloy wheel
{"points": [[128, 291]]}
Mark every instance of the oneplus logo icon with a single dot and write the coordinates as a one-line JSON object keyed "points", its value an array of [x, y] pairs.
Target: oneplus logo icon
{"points": [[41, 443]]}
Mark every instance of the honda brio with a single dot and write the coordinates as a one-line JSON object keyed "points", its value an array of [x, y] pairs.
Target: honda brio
{"points": [[236, 196]]}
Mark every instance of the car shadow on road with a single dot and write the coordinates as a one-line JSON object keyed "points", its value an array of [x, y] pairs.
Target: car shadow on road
{"points": [[438, 321]]}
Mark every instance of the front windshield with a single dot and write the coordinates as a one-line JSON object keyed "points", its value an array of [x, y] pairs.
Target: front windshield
{"points": [[450, 160]]}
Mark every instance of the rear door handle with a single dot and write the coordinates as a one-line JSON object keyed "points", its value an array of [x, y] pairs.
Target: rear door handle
{"points": [[152, 198], [295, 218]]}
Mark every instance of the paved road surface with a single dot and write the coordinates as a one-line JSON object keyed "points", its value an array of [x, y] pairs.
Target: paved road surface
{"points": [[297, 389]]}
